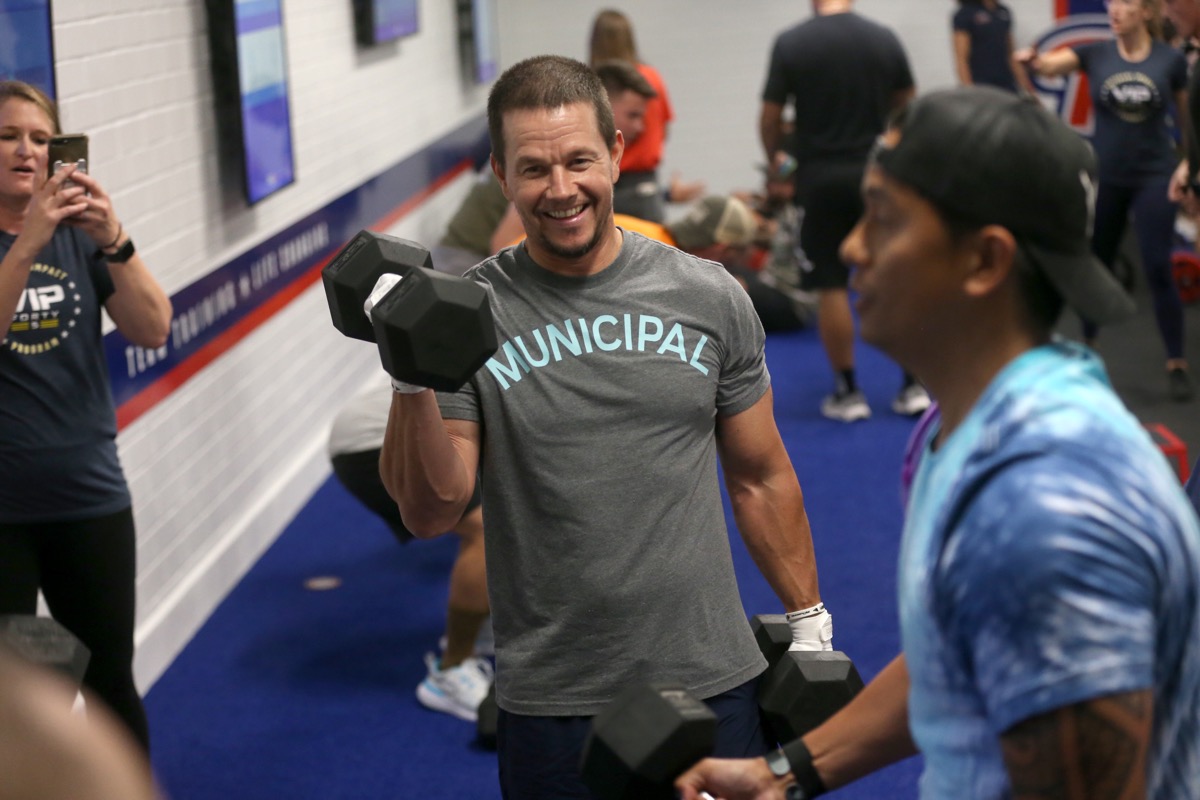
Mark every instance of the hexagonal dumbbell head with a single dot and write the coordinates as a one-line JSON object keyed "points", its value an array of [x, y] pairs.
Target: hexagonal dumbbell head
{"points": [[45, 642], [434, 329], [643, 740], [352, 273], [805, 688], [773, 634]]}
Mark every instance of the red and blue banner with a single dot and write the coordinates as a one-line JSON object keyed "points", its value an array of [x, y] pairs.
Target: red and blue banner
{"points": [[1077, 22], [218, 310]]}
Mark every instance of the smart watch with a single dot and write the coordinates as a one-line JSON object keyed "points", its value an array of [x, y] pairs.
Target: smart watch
{"points": [[779, 765], [121, 254]]}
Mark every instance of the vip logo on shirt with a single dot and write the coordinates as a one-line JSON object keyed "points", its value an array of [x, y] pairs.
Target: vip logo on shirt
{"points": [[47, 311], [1132, 95]]}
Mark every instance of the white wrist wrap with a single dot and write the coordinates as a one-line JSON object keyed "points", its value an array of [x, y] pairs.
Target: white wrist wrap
{"points": [[382, 287], [400, 387], [812, 628]]}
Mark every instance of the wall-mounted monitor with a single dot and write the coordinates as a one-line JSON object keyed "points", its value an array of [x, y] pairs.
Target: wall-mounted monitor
{"points": [[250, 84], [378, 21], [27, 43], [479, 39]]}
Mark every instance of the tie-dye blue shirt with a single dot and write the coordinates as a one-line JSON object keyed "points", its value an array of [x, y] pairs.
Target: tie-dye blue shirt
{"points": [[1049, 556]]}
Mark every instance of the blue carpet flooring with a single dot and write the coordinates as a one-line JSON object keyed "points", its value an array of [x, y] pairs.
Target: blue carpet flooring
{"points": [[288, 692]]}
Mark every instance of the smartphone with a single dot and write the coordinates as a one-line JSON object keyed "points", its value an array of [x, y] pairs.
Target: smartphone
{"points": [[68, 148]]}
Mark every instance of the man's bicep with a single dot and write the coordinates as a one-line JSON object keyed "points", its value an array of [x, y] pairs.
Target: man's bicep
{"points": [[1095, 748], [749, 442]]}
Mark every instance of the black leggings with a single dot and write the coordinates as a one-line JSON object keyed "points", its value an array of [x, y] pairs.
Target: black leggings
{"points": [[86, 571], [1154, 224]]}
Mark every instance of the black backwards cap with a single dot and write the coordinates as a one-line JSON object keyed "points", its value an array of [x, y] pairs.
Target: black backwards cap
{"points": [[990, 157]]}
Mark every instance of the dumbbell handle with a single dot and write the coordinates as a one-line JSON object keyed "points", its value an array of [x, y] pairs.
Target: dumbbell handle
{"points": [[385, 284]]}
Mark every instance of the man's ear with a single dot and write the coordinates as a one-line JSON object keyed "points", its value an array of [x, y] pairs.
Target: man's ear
{"points": [[618, 149], [993, 260], [498, 171]]}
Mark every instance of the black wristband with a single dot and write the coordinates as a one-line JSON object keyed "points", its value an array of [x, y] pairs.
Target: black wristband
{"points": [[122, 254], [802, 768]]}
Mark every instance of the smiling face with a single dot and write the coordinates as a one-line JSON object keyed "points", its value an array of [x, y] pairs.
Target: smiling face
{"points": [[25, 132], [629, 113], [559, 175]]}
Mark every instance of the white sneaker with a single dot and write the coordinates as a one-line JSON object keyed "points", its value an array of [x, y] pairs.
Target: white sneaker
{"points": [[458, 690], [911, 400], [846, 407]]}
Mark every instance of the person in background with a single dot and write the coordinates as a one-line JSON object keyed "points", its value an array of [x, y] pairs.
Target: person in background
{"points": [[1049, 576], [629, 94], [66, 521], [1185, 188], [638, 191], [1138, 86], [458, 679], [626, 369], [481, 224], [841, 74], [725, 229], [983, 46]]}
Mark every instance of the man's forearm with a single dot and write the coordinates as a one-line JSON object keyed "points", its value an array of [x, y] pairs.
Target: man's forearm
{"points": [[420, 466], [870, 733], [774, 526]]}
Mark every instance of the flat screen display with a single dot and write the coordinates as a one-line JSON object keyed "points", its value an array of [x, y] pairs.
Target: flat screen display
{"points": [[263, 89], [380, 21], [26, 43], [479, 39]]}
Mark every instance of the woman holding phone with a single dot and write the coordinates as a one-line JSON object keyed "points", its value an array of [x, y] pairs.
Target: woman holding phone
{"points": [[66, 524]]}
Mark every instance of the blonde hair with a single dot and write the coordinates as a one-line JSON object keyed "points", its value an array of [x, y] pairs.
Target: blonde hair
{"points": [[26, 91], [612, 38]]}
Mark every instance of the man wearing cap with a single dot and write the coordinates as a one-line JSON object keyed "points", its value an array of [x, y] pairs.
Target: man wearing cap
{"points": [[1049, 578]]}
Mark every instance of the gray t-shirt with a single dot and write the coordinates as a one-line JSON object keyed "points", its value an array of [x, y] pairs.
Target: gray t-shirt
{"points": [[608, 556]]}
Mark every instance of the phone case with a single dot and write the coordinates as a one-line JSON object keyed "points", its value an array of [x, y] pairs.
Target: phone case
{"points": [[68, 148]]}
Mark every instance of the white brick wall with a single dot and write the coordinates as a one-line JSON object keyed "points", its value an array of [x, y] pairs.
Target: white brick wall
{"points": [[220, 467], [713, 56]]}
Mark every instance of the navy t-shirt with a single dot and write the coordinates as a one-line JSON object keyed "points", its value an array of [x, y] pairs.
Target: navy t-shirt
{"points": [[58, 452], [1134, 106], [841, 72], [989, 30]]}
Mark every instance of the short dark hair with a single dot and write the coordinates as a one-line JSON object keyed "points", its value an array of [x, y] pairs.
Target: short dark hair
{"points": [[547, 82], [621, 76]]}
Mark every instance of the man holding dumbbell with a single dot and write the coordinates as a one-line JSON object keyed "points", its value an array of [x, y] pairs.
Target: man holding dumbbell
{"points": [[1049, 579], [624, 369]]}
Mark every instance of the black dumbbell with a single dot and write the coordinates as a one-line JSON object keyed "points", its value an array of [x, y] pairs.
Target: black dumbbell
{"points": [[643, 740], [800, 689], [432, 329], [46, 643]]}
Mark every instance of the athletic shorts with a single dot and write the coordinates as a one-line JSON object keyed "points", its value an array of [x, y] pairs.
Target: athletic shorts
{"points": [[830, 196]]}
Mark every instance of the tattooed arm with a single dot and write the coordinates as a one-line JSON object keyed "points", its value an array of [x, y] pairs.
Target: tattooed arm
{"points": [[1094, 750]]}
